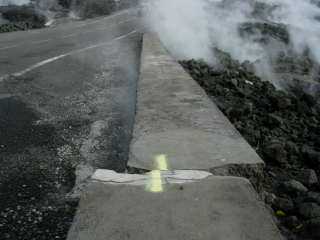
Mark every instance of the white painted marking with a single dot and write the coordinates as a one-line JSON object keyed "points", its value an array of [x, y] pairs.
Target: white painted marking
{"points": [[50, 22], [41, 41], [99, 20], [175, 176], [8, 47], [69, 35], [97, 29], [50, 60]]}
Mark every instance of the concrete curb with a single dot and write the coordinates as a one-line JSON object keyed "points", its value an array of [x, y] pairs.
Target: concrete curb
{"points": [[213, 208], [178, 130], [175, 119]]}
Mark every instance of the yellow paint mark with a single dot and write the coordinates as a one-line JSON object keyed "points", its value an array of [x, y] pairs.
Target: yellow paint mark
{"points": [[155, 181], [155, 184], [161, 162], [280, 213]]}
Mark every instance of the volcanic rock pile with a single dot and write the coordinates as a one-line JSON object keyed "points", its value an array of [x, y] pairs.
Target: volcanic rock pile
{"points": [[283, 127], [21, 18], [278, 39], [265, 31]]}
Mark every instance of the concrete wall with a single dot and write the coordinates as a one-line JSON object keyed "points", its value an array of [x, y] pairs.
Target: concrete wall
{"points": [[177, 123]]}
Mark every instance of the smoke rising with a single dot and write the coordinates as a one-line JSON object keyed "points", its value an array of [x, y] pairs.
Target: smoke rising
{"points": [[303, 20], [191, 29], [182, 25]]}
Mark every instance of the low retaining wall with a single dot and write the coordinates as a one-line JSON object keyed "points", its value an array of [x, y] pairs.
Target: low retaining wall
{"points": [[177, 127], [177, 123]]}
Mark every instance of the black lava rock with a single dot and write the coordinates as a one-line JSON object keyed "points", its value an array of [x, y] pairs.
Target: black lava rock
{"points": [[309, 210], [308, 177], [284, 204], [313, 227], [291, 222], [283, 127], [294, 187], [312, 156], [275, 151], [24, 14], [313, 197], [264, 32]]}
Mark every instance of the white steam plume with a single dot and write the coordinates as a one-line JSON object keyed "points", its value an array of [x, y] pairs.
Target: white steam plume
{"points": [[303, 20], [190, 28], [182, 25]]}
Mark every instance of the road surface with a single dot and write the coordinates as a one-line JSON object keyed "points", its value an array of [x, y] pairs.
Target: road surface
{"points": [[67, 99], [81, 70]]}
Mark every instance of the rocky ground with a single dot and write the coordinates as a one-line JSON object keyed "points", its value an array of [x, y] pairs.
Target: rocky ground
{"points": [[20, 18], [40, 161], [37, 171], [283, 127]]}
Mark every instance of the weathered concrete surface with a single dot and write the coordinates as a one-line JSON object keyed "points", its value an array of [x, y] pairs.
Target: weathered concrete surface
{"points": [[175, 118], [220, 208]]}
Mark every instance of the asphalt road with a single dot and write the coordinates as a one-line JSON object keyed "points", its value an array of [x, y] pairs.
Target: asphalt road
{"points": [[55, 70], [67, 104]]}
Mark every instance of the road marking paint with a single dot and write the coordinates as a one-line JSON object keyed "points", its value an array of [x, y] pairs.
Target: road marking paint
{"points": [[99, 20], [41, 41], [66, 36], [8, 47], [50, 60], [97, 29]]}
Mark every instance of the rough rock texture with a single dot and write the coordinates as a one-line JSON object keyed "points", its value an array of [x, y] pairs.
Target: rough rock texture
{"points": [[58, 122], [267, 31], [283, 127], [21, 18], [280, 54], [36, 172]]}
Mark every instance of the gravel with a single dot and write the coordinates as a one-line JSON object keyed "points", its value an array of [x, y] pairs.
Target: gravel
{"points": [[37, 172], [283, 127]]}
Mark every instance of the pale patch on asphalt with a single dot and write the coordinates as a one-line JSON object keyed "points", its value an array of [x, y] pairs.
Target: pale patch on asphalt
{"points": [[92, 142], [53, 59]]}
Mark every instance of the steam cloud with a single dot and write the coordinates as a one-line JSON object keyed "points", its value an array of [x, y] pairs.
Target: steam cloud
{"points": [[191, 28], [182, 25]]}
